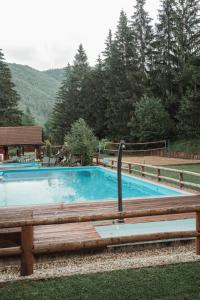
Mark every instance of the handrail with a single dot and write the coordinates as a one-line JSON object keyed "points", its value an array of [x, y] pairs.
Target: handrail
{"points": [[65, 219], [161, 168], [28, 249], [158, 176]]}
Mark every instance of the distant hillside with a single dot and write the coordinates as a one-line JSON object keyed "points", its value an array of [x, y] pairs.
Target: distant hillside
{"points": [[37, 89], [57, 74]]}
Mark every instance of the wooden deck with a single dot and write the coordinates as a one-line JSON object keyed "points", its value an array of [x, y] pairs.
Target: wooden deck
{"points": [[78, 232]]}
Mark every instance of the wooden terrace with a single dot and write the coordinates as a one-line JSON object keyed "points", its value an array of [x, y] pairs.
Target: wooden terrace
{"points": [[67, 227]]}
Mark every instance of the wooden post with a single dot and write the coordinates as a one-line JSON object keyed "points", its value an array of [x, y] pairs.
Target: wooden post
{"points": [[129, 168], [158, 174], [112, 164], [198, 232], [142, 171], [181, 179], [38, 152], [27, 258], [6, 154], [97, 160]]}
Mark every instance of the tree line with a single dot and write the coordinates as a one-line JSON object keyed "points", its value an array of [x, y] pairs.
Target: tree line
{"points": [[145, 84]]}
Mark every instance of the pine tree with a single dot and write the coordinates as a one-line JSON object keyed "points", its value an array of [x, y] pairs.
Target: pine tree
{"points": [[58, 123], [77, 94], [72, 97], [143, 36], [97, 102], [163, 78], [118, 61], [27, 118], [187, 31], [9, 99], [189, 112], [124, 43], [187, 35]]}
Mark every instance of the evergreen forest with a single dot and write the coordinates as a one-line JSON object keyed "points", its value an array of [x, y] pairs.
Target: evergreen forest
{"points": [[145, 85]]}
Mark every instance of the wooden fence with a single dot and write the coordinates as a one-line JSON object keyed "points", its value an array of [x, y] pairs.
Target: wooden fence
{"points": [[179, 155], [28, 249], [144, 170]]}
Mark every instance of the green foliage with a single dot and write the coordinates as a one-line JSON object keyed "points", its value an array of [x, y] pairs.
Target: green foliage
{"points": [[48, 151], [10, 115], [189, 115], [189, 111], [186, 30], [95, 102], [72, 98], [188, 146], [27, 118], [119, 92], [142, 37], [163, 75], [81, 141], [160, 62], [150, 121]]}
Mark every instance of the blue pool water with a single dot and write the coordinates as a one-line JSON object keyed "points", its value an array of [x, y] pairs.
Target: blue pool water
{"points": [[19, 165], [68, 185]]}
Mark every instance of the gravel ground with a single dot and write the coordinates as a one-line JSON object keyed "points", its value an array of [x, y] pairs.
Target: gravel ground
{"points": [[127, 258]]}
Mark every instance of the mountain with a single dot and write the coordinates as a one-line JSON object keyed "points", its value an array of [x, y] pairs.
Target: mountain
{"points": [[57, 74], [37, 89]]}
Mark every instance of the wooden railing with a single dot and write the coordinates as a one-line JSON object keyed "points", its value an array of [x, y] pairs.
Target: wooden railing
{"points": [[28, 249], [142, 171]]}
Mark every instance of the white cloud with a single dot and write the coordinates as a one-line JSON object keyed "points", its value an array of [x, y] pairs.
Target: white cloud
{"points": [[46, 33]]}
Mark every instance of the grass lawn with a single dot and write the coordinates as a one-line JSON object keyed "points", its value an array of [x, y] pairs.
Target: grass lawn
{"points": [[188, 178], [181, 281], [192, 168]]}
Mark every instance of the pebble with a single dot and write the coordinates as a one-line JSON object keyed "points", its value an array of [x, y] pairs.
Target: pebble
{"points": [[109, 260]]}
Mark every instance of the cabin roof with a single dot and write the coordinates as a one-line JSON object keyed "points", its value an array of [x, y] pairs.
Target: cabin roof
{"points": [[21, 135]]}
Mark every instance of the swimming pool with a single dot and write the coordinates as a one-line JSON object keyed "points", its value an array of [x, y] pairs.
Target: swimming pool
{"points": [[19, 165], [71, 185]]}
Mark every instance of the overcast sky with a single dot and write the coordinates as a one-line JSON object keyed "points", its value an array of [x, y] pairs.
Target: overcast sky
{"points": [[45, 34]]}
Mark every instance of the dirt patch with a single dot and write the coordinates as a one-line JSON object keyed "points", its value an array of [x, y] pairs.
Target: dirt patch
{"points": [[158, 160]]}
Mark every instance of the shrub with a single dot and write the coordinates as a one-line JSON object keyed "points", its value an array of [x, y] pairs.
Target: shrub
{"points": [[81, 141], [150, 121]]}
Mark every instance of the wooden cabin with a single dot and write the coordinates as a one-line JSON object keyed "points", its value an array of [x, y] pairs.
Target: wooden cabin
{"points": [[24, 138]]}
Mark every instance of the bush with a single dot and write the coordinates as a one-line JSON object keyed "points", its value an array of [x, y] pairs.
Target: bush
{"points": [[81, 141], [150, 121], [189, 115]]}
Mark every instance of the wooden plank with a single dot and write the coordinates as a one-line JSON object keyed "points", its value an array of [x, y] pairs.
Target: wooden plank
{"points": [[98, 217], [104, 242], [87, 212], [27, 258], [65, 232], [11, 251]]}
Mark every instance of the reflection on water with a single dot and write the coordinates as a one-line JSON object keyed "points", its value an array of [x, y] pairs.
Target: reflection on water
{"points": [[55, 186]]}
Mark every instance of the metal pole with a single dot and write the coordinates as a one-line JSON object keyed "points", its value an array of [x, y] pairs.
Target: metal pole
{"points": [[119, 175]]}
